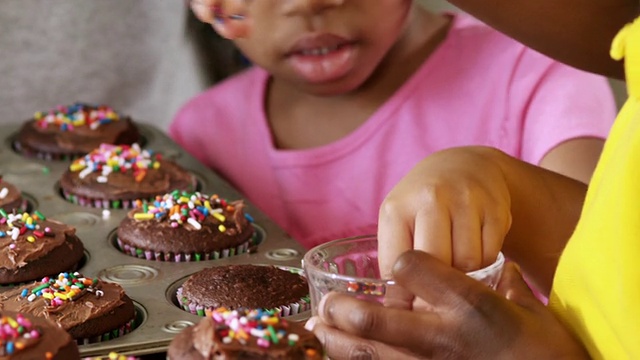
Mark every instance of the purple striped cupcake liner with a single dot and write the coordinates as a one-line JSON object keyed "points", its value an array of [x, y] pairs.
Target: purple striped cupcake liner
{"points": [[300, 306], [113, 334], [182, 257], [97, 202], [41, 155]]}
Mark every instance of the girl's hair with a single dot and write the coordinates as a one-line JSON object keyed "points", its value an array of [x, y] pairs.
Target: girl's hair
{"points": [[217, 57]]}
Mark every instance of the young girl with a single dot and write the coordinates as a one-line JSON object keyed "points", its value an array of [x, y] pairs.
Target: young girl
{"points": [[347, 97]]}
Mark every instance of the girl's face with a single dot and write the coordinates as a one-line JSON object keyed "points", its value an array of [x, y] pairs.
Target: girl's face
{"points": [[324, 47]]}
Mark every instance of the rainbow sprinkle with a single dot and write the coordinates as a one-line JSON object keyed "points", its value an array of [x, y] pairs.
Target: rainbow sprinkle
{"points": [[112, 356], [66, 287], [108, 159], [67, 118], [23, 226], [16, 334], [266, 326], [182, 208]]}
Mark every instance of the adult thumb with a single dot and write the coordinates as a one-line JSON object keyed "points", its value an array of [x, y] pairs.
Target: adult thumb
{"points": [[513, 286]]}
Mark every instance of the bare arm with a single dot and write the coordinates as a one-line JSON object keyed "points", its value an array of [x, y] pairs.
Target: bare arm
{"points": [[577, 32], [576, 158]]}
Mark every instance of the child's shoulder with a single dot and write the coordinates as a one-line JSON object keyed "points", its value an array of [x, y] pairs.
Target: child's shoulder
{"points": [[469, 36], [473, 31]]}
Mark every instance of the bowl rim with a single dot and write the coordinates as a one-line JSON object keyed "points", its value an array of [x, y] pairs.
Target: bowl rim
{"points": [[497, 265]]}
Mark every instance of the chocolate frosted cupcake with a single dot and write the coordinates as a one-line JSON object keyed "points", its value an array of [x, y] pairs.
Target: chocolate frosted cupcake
{"points": [[11, 198], [183, 226], [32, 247], [244, 286], [112, 356], [67, 132], [116, 176], [245, 334], [90, 310], [26, 337]]}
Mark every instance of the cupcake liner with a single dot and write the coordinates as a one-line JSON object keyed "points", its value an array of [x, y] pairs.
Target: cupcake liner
{"points": [[182, 257], [41, 155], [97, 202], [113, 334]]}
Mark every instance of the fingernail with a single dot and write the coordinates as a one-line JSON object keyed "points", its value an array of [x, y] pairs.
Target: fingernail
{"points": [[321, 306], [311, 323]]}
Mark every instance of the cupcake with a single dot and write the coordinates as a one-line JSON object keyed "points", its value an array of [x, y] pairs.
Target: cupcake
{"points": [[184, 226], [90, 310], [245, 334], [67, 132], [116, 176], [112, 356], [244, 286], [26, 337], [11, 198], [32, 247]]}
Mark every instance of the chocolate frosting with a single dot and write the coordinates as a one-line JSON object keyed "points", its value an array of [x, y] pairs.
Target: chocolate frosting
{"points": [[13, 199], [249, 286], [158, 235], [26, 251], [52, 340], [122, 185], [203, 342], [87, 316], [81, 140]]}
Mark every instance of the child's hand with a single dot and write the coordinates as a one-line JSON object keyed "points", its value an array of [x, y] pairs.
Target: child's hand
{"points": [[211, 11], [455, 205]]}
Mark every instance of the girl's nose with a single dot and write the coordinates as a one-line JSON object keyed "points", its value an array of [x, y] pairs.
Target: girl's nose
{"points": [[292, 7]]}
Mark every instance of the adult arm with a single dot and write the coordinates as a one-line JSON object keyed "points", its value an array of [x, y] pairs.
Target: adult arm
{"points": [[466, 320], [576, 32]]}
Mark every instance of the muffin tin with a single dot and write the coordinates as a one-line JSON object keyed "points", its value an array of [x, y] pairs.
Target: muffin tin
{"points": [[151, 284]]}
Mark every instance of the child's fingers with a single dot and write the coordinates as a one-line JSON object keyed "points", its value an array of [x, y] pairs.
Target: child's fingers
{"points": [[395, 236], [432, 233], [494, 230], [466, 239], [203, 9]]}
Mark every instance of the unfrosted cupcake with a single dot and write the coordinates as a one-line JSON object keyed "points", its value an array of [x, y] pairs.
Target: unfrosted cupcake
{"points": [[27, 337], [186, 226], [10, 198], [245, 334], [66, 132], [244, 286], [32, 246], [90, 310], [117, 176]]}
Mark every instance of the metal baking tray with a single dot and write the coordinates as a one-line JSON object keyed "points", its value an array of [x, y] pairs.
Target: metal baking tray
{"points": [[149, 283]]}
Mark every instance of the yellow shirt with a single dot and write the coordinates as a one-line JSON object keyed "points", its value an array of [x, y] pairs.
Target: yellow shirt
{"points": [[596, 290]]}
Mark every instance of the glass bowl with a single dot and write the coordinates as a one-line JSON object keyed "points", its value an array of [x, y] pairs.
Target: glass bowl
{"points": [[351, 266]]}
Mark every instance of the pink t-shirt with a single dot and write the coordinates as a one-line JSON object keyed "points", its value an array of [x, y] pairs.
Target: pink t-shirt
{"points": [[478, 88]]}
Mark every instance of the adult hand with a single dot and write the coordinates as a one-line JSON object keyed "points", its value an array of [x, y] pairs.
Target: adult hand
{"points": [[467, 320], [455, 205]]}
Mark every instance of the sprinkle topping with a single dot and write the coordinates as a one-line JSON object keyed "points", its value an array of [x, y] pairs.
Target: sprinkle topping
{"points": [[112, 356], [23, 226], [108, 159], [16, 334], [239, 325], [187, 208], [67, 118], [66, 287]]}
